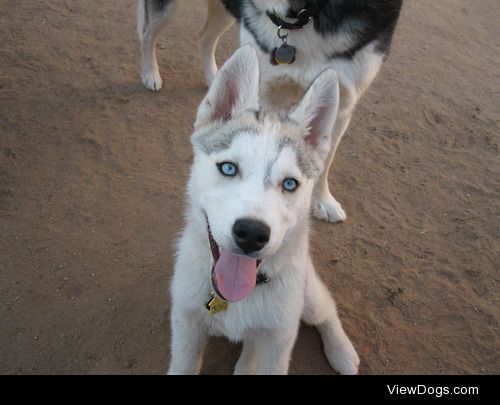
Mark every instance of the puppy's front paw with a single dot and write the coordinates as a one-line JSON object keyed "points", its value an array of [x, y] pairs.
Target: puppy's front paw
{"points": [[152, 80], [328, 209], [343, 359]]}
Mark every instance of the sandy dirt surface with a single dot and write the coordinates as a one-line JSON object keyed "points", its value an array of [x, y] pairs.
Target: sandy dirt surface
{"points": [[93, 169]]}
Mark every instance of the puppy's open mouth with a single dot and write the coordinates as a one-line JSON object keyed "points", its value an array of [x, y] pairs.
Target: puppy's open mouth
{"points": [[233, 276]]}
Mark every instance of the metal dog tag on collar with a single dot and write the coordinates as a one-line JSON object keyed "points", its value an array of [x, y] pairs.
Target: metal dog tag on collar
{"points": [[215, 304], [284, 55]]}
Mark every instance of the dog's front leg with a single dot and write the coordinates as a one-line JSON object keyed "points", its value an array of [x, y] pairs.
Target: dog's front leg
{"points": [[273, 351], [325, 206], [188, 344]]}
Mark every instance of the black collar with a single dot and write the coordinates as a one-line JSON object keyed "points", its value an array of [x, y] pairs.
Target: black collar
{"points": [[303, 16]]}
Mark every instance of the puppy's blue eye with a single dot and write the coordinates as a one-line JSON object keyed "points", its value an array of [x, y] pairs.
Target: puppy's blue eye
{"points": [[290, 185], [228, 169]]}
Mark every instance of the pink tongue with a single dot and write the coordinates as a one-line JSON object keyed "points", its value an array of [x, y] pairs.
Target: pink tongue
{"points": [[234, 276]]}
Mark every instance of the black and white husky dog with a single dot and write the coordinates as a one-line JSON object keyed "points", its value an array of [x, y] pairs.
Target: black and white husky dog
{"points": [[296, 40]]}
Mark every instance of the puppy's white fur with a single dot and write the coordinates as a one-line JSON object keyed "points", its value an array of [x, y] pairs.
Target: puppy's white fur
{"points": [[268, 147]]}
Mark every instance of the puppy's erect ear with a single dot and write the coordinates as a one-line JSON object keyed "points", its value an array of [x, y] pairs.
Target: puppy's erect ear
{"points": [[234, 89], [317, 111]]}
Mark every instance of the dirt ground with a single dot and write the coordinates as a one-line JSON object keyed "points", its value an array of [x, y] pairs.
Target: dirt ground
{"points": [[93, 169]]}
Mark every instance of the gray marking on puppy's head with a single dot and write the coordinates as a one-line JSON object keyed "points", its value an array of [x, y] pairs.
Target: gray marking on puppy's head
{"points": [[217, 141], [308, 161], [220, 135], [310, 165]]}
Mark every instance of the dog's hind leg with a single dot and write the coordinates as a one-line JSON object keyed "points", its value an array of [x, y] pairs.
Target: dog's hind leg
{"points": [[246, 364], [320, 310], [217, 22], [152, 17]]}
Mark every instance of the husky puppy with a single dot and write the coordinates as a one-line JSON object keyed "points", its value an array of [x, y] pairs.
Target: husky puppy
{"points": [[243, 268], [297, 39]]}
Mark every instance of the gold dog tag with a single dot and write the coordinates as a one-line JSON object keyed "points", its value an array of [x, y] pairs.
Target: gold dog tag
{"points": [[216, 305]]}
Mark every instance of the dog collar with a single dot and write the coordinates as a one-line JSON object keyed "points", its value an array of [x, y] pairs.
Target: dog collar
{"points": [[285, 53], [303, 16], [216, 302]]}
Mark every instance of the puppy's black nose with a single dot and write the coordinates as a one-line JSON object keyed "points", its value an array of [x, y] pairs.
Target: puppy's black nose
{"points": [[251, 235]]}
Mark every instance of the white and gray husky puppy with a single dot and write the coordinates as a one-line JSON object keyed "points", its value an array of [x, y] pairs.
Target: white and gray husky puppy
{"points": [[296, 39], [243, 268]]}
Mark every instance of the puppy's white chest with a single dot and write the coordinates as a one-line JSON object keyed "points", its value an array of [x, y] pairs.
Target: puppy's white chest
{"points": [[263, 310]]}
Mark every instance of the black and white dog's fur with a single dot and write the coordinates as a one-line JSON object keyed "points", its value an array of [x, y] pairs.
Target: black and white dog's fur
{"points": [[351, 36]]}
